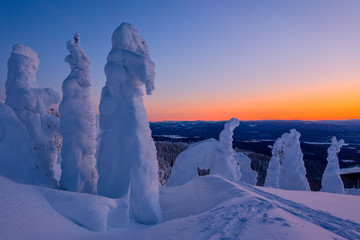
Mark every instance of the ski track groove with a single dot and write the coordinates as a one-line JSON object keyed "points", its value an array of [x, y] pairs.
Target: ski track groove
{"points": [[342, 227]]}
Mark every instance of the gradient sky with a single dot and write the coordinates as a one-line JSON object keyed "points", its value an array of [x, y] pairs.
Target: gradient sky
{"points": [[214, 59]]}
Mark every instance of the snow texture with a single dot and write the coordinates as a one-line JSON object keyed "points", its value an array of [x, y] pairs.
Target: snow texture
{"points": [[247, 174], [292, 172], [30, 105], [331, 181], [78, 125], [216, 156], [273, 170], [127, 161], [17, 157]]}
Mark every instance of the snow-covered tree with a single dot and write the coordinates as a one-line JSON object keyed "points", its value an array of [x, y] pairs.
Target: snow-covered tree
{"points": [[78, 125], [209, 156], [17, 157], [247, 174], [127, 161], [288, 154], [30, 104], [273, 170], [331, 181]]}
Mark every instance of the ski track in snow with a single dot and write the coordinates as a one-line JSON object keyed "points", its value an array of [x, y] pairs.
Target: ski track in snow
{"points": [[342, 227]]}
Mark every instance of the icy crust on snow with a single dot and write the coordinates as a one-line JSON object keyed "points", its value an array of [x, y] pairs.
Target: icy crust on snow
{"points": [[331, 181], [30, 105], [210, 154], [248, 175], [17, 157], [129, 168], [78, 125], [287, 152]]}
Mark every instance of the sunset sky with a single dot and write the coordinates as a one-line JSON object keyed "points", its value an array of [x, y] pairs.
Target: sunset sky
{"points": [[255, 59]]}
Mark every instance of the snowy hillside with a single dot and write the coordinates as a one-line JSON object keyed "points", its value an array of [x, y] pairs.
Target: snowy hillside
{"points": [[207, 207]]}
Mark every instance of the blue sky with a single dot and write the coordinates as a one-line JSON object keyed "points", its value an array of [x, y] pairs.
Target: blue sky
{"points": [[221, 55]]}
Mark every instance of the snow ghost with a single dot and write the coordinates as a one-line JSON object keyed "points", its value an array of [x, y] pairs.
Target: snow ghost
{"points": [[18, 163], [127, 162], [30, 105], [331, 181], [287, 152], [78, 125], [273, 170], [209, 156], [248, 175]]}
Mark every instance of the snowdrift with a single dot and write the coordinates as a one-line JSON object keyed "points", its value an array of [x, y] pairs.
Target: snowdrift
{"points": [[208, 207]]}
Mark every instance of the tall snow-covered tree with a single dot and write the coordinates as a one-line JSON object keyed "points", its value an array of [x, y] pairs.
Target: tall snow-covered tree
{"points": [[331, 180], [291, 175], [127, 161], [210, 156], [17, 156], [247, 174], [30, 104], [273, 170], [78, 125]]}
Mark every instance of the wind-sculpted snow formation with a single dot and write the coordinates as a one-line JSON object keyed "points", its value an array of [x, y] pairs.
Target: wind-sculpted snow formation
{"points": [[17, 157], [30, 104], [331, 181], [78, 125], [292, 171], [209, 156], [247, 174], [127, 161]]}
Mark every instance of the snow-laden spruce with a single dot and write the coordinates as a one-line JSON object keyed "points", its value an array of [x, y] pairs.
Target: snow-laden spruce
{"points": [[273, 170], [30, 104], [210, 156], [17, 157], [292, 172], [247, 174], [127, 161], [331, 181], [78, 125]]}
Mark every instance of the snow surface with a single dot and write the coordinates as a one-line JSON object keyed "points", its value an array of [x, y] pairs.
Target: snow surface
{"points": [[30, 104], [331, 181], [218, 157], [208, 207], [78, 125], [127, 162]]}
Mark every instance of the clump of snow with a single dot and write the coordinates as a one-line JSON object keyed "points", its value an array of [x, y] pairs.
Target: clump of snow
{"points": [[287, 152], [215, 157], [127, 161], [30, 105], [78, 125], [331, 181], [247, 174], [17, 157]]}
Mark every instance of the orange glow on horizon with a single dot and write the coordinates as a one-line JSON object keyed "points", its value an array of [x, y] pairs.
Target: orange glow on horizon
{"points": [[336, 102]]}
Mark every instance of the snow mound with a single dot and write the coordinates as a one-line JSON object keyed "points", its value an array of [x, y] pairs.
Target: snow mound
{"points": [[207, 157], [331, 181], [41, 210]]}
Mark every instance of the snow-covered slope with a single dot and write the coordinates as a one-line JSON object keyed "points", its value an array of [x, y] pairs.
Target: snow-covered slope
{"points": [[207, 207]]}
